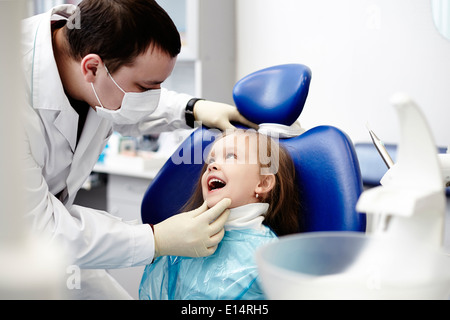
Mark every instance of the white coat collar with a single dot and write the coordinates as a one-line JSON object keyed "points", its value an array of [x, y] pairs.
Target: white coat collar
{"points": [[45, 75], [249, 216], [47, 91]]}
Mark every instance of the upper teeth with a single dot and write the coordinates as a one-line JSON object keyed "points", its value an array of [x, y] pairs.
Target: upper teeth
{"points": [[215, 180]]}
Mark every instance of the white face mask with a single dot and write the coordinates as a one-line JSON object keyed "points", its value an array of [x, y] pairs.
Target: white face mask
{"points": [[135, 105]]}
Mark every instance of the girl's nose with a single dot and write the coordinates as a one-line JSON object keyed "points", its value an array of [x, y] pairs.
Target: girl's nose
{"points": [[213, 166]]}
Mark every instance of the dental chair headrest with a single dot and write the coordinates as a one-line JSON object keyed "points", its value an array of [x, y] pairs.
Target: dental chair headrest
{"points": [[327, 170], [273, 95]]}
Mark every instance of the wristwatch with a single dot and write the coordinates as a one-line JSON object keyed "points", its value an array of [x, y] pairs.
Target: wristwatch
{"points": [[189, 112]]}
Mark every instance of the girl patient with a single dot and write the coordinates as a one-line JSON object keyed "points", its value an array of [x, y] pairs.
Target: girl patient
{"points": [[258, 176]]}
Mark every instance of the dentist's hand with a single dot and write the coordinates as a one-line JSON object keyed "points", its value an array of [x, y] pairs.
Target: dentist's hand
{"points": [[193, 234], [219, 115]]}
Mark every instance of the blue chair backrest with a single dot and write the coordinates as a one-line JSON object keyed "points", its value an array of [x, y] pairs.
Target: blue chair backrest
{"points": [[327, 169]]}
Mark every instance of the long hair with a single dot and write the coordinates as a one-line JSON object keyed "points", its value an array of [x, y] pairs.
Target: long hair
{"points": [[284, 213]]}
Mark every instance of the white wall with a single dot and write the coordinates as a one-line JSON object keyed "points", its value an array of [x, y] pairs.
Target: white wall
{"points": [[360, 53]]}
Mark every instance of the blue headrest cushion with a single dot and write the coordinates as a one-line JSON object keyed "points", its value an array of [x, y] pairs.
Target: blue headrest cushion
{"points": [[273, 95]]}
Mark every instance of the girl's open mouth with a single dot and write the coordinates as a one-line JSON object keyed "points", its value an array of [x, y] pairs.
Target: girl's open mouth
{"points": [[215, 183]]}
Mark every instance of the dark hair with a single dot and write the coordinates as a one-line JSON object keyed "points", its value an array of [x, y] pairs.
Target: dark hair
{"points": [[120, 30], [284, 213]]}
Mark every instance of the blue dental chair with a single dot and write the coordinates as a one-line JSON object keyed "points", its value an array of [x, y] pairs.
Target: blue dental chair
{"points": [[327, 168]]}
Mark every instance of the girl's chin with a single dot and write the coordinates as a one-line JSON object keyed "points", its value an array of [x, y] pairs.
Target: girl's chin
{"points": [[213, 201]]}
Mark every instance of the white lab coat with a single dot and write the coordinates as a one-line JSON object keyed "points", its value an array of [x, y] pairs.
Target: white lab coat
{"points": [[55, 163]]}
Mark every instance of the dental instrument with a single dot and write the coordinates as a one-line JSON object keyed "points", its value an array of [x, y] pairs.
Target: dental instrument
{"points": [[380, 148]]}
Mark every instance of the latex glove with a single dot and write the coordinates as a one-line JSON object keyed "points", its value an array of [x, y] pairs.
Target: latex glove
{"points": [[219, 115], [194, 233]]}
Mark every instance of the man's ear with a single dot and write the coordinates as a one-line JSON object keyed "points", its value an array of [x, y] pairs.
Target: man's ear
{"points": [[266, 183], [90, 65]]}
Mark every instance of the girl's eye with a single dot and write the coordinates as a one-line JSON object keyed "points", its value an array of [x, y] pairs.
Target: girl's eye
{"points": [[231, 156], [210, 160]]}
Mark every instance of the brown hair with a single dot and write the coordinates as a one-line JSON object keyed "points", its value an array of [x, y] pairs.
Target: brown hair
{"points": [[284, 207], [120, 30]]}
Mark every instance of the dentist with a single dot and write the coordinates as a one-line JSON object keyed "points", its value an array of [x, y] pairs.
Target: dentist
{"points": [[90, 70]]}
